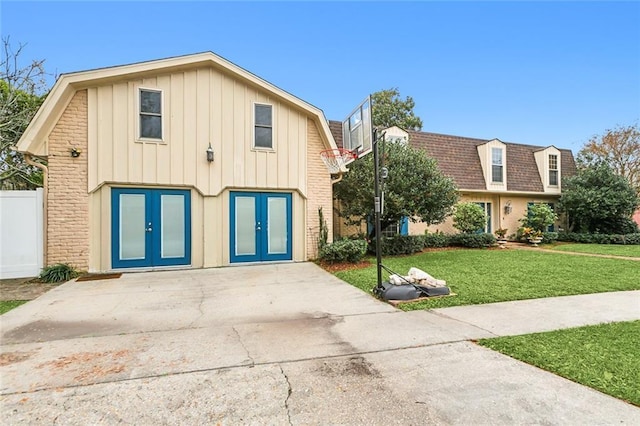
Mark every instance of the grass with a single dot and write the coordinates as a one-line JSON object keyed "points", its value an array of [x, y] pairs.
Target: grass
{"points": [[607, 249], [604, 357], [6, 306], [487, 276]]}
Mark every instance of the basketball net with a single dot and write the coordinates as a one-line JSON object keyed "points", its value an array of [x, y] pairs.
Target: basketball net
{"points": [[336, 159]]}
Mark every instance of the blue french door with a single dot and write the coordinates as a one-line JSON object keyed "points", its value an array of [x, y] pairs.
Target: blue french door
{"points": [[150, 227], [260, 227]]}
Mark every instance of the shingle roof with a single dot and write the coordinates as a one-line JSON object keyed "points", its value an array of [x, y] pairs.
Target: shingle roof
{"points": [[457, 157]]}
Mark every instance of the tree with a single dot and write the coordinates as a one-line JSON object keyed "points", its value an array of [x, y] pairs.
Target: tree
{"points": [[620, 147], [415, 188], [21, 94], [388, 110], [469, 217], [597, 200]]}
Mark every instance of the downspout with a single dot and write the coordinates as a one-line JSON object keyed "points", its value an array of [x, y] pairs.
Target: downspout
{"points": [[45, 175], [500, 212]]}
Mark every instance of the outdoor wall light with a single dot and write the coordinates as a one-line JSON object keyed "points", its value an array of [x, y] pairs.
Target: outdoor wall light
{"points": [[210, 153], [75, 152], [507, 207]]}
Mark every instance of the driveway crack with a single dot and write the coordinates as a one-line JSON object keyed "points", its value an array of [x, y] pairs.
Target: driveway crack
{"points": [[253, 362], [286, 401], [195, 320]]}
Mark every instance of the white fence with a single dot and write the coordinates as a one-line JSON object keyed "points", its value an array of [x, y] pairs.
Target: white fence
{"points": [[21, 237]]}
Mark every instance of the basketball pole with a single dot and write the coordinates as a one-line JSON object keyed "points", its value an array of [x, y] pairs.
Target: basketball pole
{"points": [[377, 205]]}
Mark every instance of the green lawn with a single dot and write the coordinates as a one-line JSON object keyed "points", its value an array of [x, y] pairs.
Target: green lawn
{"points": [[486, 276], [6, 306], [604, 357], [608, 249]]}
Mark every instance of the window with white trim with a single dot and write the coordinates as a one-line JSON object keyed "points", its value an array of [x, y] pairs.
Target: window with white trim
{"points": [[496, 165], [150, 114], [553, 170], [263, 126]]}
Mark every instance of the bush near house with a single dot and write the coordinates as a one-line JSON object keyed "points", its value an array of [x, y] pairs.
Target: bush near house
{"points": [[399, 244], [435, 240], [343, 251], [469, 217], [472, 240], [539, 216], [410, 244]]}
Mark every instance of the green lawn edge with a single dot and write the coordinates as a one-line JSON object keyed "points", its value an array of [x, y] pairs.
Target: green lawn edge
{"points": [[604, 357], [479, 276], [7, 305], [632, 251]]}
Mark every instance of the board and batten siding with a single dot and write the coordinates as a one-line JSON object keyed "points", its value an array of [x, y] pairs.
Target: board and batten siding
{"points": [[200, 106], [203, 106]]}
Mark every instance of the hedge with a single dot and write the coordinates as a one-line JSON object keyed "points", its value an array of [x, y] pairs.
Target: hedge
{"points": [[435, 240], [343, 251], [573, 237], [399, 244], [472, 240], [409, 244]]}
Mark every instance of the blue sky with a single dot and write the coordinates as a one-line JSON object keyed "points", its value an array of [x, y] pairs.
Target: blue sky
{"points": [[542, 73]]}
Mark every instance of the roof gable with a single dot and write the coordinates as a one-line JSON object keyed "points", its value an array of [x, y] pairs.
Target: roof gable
{"points": [[34, 138]]}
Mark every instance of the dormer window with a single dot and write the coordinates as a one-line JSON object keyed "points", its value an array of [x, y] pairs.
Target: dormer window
{"points": [[497, 169], [553, 170]]}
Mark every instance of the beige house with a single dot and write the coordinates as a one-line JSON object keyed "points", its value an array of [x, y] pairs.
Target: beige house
{"points": [[189, 161], [503, 178]]}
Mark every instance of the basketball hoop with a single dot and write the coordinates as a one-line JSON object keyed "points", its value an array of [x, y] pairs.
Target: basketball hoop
{"points": [[336, 159]]}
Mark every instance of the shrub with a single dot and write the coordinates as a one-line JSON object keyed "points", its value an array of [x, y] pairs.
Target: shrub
{"points": [[472, 240], [469, 217], [573, 237], [58, 273], [343, 251], [549, 237], [435, 240], [400, 244], [539, 216]]}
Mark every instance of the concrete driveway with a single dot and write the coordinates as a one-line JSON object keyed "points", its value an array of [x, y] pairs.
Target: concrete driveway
{"points": [[267, 344]]}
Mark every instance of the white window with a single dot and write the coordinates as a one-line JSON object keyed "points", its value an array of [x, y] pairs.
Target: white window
{"points": [[553, 170], [150, 114], [263, 126], [496, 165]]}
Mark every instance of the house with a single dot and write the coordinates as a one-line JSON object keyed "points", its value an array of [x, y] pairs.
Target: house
{"points": [[187, 161], [503, 178]]}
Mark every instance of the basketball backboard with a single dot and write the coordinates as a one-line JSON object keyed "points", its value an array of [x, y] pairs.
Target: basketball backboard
{"points": [[357, 130]]}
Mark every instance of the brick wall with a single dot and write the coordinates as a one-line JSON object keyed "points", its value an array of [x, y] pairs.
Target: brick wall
{"points": [[68, 201], [319, 190]]}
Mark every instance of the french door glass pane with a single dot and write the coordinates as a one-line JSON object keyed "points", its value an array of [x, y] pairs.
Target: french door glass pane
{"points": [[172, 228], [277, 219], [132, 226], [245, 226]]}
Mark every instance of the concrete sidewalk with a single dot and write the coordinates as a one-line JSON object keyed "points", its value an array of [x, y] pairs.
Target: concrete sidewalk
{"points": [[284, 344]]}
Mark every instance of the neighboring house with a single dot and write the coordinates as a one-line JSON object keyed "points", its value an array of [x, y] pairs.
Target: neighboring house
{"points": [[189, 161], [502, 177]]}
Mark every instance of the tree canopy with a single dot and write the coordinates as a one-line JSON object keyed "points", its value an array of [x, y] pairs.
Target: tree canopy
{"points": [[597, 200], [620, 148], [21, 94], [415, 188], [389, 109]]}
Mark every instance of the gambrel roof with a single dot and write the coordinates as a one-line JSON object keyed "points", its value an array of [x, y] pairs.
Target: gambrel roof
{"points": [[34, 138], [458, 158]]}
